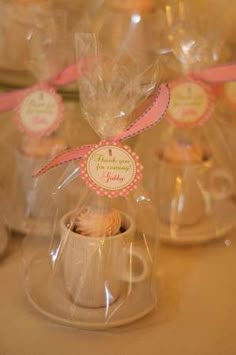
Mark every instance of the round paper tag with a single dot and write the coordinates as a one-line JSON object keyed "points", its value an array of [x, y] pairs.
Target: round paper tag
{"points": [[230, 93], [111, 169], [40, 112], [191, 103]]}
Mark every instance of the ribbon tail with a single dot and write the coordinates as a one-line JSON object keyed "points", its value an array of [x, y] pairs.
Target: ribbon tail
{"points": [[64, 158], [217, 74], [9, 100], [67, 76], [152, 111], [74, 71]]}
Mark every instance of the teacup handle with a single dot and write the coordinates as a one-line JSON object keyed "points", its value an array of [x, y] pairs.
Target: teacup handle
{"points": [[224, 176], [127, 274]]}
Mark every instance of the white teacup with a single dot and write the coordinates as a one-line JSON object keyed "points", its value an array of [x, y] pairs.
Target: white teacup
{"points": [[186, 189], [94, 268]]}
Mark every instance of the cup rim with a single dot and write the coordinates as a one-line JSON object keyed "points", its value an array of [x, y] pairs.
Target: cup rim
{"points": [[124, 216]]}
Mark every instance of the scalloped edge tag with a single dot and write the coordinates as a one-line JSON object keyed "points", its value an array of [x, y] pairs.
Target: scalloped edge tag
{"points": [[192, 103], [111, 169], [40, 111]]}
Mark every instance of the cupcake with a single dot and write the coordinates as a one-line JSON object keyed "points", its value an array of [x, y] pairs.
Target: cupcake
{"points": [[92, 222]]}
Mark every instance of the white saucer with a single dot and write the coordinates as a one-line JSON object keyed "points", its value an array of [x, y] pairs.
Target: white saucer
{"points": [[211, 228], [46, 292]]}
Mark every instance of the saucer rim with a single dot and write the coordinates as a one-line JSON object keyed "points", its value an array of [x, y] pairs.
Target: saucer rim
{"points": [[83, 324], [189, 240]]}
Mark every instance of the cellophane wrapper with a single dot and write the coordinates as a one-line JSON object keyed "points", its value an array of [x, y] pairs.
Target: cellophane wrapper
{"points": [[226, 107], [4, 210], [137, 30], [96, 268], [194, 40], [26, 154], [6, 168], [191, 170], [20, 21]]}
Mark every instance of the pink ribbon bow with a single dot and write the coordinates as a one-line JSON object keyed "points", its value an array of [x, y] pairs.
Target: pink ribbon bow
{"points": [[153, 109]]}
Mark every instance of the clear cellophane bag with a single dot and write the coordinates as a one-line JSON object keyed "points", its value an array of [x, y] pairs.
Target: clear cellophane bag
{"points": [[48, 58], [137, 30], [96, 268], [192, 170], [194, 40], [20, 21]]}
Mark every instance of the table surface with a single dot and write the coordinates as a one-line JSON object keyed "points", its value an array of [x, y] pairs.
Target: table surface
{"points": [[195, 315], [196, 312]]}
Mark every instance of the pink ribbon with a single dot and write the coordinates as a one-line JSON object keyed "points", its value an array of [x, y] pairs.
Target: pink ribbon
{"points": [[152, 110], [9, 100], [214, 75], [218, 74]]}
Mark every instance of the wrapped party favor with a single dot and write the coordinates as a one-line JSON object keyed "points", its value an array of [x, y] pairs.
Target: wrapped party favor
{"points": [[191, 170], [96, 270], [40, 131]]}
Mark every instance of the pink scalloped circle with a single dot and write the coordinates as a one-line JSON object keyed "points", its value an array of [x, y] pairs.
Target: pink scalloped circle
{"points": [[40, 111], [183, 105], [100, 178]]}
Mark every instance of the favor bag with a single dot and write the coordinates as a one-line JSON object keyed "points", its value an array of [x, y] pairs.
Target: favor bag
{"points": [[40, 129], [96, 269], [191, 173]]}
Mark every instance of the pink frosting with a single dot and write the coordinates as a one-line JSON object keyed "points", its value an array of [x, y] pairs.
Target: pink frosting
{"points": [[94, 223]]}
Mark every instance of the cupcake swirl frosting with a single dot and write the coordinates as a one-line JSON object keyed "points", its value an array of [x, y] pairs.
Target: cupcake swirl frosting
{"points": [[94, 223]]}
